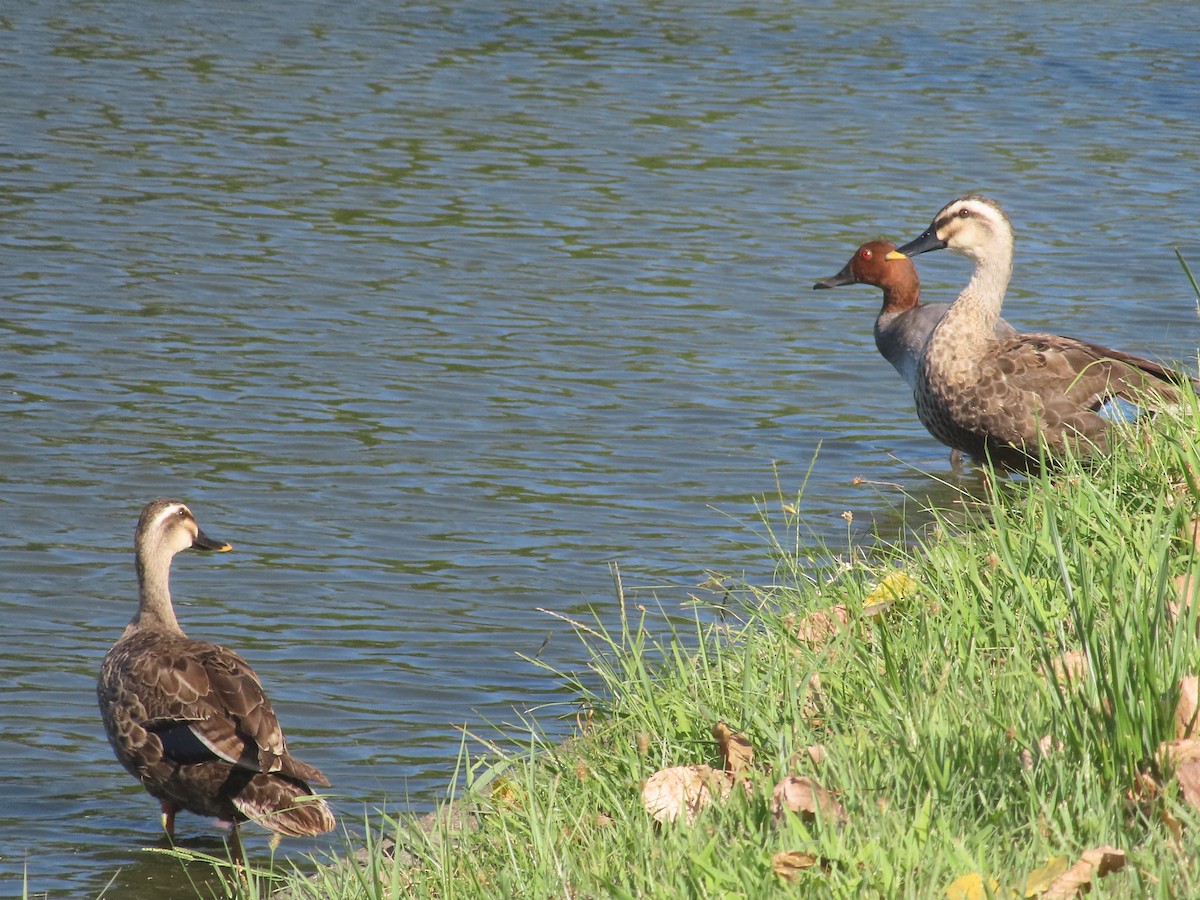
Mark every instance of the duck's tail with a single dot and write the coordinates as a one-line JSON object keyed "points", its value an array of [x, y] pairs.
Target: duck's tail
{"points": [[285, 805]]}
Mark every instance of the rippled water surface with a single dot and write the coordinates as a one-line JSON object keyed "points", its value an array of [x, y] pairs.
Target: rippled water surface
{"points": [[435, 313]]}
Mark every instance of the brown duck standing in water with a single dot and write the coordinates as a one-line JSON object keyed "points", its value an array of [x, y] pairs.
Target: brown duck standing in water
{"points": [[1021, 399], [189, 719]]}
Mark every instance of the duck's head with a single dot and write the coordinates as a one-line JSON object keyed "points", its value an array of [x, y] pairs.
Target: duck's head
{"points": [[973, 225], [168, 527], [869, 265]]}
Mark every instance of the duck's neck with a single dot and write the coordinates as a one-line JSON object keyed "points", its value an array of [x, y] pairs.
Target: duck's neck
{"points": [[981, 300], [970, 324], [154, 592], [897, 300]]}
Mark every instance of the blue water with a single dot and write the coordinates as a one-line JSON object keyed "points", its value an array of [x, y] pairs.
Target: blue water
{"points": [[436, 313]]}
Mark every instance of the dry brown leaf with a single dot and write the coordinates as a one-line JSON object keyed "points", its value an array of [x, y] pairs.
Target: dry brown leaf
{"points": [[735, 748], [1045, 747], [818, 627], [812, 755], [1187, 707], [1182, 758], [814, 702], [683, 791], [1078, 879], [1191, 534], [788, 864], [1186, 589], [1069, 669], [506, 791], [643, 743], [1188, 776], [804, 796], [971, 887]]}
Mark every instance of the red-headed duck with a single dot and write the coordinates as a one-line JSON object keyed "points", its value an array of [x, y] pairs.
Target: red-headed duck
{"points": [[904, 322]]}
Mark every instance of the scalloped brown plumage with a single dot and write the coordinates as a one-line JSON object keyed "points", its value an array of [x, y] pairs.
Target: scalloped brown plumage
{"points": [[189, 718]]}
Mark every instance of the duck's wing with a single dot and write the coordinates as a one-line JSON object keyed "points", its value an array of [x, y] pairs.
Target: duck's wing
{"points": [[1083, 374], [204, 702]]}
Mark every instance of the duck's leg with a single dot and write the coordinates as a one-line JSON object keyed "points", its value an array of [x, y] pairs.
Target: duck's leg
{"points": [[237, 852], [168, 818]]}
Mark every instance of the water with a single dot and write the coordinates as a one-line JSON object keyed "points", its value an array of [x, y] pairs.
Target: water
{"points": [[434, 313]]}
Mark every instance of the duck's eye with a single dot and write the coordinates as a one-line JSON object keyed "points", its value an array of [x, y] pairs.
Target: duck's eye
{"points": [[964, 213], [865, 254]]}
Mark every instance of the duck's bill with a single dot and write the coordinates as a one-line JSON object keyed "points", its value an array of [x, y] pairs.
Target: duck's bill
{"points": [[204, 542], [842, 277], [926, 242]]}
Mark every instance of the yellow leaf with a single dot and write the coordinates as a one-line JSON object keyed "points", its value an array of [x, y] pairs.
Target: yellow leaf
{"points": [[1078, 878], [892, 587], [1039, 880], [971, 887]]}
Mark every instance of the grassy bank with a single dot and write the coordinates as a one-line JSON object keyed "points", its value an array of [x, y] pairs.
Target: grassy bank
{"points": [[983, 706]]}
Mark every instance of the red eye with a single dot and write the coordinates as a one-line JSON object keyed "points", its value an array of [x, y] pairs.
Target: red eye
{"points": [[865, 254]]}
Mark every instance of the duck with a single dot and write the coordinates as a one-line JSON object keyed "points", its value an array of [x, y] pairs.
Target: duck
{"points": [[190, 719], [1027, 400], [904, 322]]}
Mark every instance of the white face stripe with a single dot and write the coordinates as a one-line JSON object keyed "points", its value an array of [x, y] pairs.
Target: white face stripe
{"points": [[171, 509], [168, 518], [984, 212]]}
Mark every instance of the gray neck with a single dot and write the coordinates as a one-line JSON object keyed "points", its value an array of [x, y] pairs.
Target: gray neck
{"points": [[154, 593]]}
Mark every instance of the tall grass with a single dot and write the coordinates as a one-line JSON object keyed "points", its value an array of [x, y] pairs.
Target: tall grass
{"points": [[1005, 711], [952, 734]]}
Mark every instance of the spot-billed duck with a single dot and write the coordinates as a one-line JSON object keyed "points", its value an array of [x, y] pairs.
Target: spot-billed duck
{"points": [[904, 322], [1023, 398], [188, 718]]}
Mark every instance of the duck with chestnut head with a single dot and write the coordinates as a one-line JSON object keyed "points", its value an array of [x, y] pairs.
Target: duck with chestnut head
{"points": [[904, 323]]}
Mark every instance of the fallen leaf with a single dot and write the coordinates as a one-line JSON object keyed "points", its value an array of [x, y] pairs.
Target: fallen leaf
{"points": [[683, 791], [506, 791], [971, 887], [807, 798], [735, 748], [1188, 776], [1186, 589], [817, 753], [1182, 759], [818, 627], [1187, 707], [788, 864], [1191, 534], [1039, 880], [1069, 669], [1078, 879], [891, 589], [1045, 747]]}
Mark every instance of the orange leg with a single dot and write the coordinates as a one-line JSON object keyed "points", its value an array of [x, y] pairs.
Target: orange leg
{"points": [[168, 818]]}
